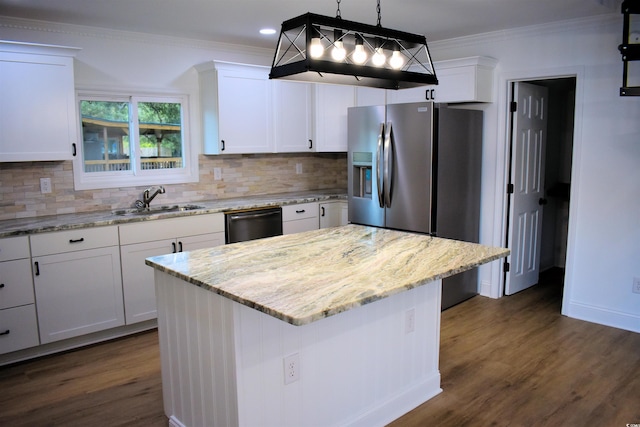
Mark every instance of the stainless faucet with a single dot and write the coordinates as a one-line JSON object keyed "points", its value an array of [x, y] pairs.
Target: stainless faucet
{"points": [[146, 199]]}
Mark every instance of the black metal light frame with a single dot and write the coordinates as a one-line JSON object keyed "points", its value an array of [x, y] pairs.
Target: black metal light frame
{"points": [[629, 51], [292, 60]]}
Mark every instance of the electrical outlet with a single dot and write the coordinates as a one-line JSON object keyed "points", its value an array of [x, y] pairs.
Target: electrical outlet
{"points": [[45, 185], [636, 285], [217, 174], [410, 320], [298, 168], [291, 368]]}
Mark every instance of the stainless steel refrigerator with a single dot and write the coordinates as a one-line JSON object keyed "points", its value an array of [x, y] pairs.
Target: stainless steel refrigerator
{"points": [[416, 167]]}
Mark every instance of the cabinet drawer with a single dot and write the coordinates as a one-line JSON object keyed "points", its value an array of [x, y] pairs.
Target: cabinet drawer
{"points": [[14, 248], [299, 226], [73, 240], [171, 228], [300, 211], [18, 328], [16, 286]]}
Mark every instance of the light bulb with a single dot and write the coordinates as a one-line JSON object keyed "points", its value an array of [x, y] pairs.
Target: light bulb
{"points": [[396, 61], [378, 57], [338, 53], [359, 54], [315, 49]]}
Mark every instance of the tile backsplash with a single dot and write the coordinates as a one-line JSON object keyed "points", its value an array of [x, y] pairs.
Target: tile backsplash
{"points": [[242, 175]]}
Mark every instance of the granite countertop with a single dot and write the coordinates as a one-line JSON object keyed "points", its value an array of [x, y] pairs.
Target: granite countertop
{"points": [[305, 277], [16, 227]]}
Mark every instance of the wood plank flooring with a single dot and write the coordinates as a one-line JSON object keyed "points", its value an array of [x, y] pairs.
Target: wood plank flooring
{"points": [[509, 362]]}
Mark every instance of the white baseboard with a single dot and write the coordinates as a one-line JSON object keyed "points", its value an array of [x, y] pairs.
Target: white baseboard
{"points": [[604, 316], [399, 404], [174, 422]]}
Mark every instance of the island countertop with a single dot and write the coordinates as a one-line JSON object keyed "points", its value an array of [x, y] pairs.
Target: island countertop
{"points": [[305, 277]]}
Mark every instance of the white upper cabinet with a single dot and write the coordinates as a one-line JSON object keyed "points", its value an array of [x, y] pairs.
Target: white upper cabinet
{"points": [[37, 106], [292, 110], [368, 96], [331, 104], [236, 108], [460, 80]]}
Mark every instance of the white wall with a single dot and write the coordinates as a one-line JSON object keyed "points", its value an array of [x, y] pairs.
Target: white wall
{"points": [[604, 236], [604, 230]]}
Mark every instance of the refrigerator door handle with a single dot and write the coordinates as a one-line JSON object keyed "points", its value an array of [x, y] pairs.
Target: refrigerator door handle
{"points": [[388, 164], [379, 177]]}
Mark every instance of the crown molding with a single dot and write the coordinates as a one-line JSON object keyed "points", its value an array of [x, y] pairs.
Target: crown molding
{"points": [[529, 31], [130, 36]]}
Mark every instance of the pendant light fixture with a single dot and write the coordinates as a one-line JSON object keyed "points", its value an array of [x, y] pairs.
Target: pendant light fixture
{"points": [[317, 48]]}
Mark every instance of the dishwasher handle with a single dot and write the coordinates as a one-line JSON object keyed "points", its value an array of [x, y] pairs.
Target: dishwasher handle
{"points": [[250, 215]]}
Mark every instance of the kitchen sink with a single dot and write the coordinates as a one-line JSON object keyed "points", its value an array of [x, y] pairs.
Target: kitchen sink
{"points": [[156, 210]]}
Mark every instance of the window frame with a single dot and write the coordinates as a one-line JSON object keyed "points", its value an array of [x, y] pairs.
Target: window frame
{"points": [[135, 176]]}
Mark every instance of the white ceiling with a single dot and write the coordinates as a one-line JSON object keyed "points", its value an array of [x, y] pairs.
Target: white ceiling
{"points": [[238, 21]]}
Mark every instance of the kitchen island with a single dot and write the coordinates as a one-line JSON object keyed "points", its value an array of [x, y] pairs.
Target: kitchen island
{"points": [[338, 326]]}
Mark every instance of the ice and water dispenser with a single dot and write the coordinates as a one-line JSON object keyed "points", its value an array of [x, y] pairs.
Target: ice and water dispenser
{"points": [[362, 174]]}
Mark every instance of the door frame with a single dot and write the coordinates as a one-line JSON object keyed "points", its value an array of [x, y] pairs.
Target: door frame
{"points": [[505, 81]]}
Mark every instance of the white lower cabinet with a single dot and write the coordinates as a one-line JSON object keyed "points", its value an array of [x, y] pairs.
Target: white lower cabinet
{"points": [[299, 218], [18, 328], [142, 240], [77, 282], [18, 325], [333, 214]]}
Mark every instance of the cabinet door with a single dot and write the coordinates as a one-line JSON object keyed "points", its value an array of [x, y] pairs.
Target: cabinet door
{"points": [[414, 94], [368, 96], [201, 241], [137, 278], [37, 105], [292, 114], [78, 293], [16, 286], [244, 102], [333, 214], [332, 102]]}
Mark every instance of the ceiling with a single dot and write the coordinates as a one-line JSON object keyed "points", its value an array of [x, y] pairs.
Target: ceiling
{"points": [[239, 21]]}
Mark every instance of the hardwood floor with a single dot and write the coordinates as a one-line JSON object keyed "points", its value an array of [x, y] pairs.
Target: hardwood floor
{"points": [[509, 362], [517, 362]]}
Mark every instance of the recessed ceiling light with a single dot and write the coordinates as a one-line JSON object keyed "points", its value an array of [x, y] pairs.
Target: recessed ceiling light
{"points": [[267, 31]]}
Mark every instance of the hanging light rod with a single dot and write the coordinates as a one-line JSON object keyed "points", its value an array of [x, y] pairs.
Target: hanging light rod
{"points": [[317, 48]]}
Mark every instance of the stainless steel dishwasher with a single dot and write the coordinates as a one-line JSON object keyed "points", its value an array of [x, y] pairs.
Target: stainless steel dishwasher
{"points": [[252, 224]]}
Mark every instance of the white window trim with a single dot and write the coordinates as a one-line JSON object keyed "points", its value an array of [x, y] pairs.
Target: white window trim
{"points": [[136, 176]]}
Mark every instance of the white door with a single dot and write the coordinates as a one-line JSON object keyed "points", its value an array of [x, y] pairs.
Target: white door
{"points": [[527, 176]]}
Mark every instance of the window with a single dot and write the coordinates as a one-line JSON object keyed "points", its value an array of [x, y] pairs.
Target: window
{"points": [[132, 140]]}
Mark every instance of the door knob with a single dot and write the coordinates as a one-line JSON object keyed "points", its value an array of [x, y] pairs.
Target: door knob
{"points": [[542, 201]]}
